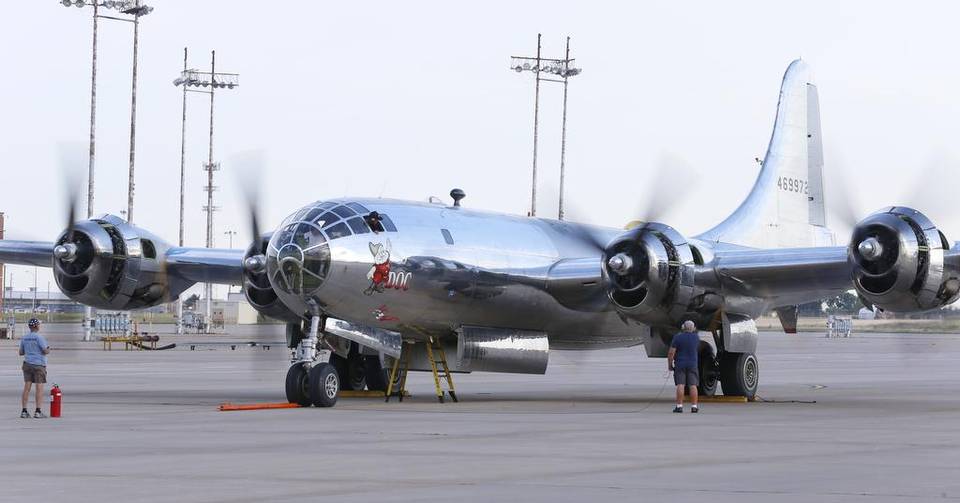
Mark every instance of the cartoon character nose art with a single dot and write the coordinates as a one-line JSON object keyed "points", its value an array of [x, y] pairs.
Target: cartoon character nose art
{"points": [[381, 274]]}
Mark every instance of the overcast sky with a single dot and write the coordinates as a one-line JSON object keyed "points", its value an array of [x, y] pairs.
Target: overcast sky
{"points": [[411, 99]]}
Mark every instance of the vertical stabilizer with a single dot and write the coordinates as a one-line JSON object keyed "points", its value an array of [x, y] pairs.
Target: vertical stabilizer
{"points": [[785, 208]]}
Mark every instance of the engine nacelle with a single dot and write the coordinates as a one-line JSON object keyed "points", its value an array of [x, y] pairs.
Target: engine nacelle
{"points": [[897, 262], [256, 285], [108, 263], [649, 274]]}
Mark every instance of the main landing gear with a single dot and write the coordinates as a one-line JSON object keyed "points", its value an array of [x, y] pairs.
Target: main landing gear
{"points": [[737, 373]]}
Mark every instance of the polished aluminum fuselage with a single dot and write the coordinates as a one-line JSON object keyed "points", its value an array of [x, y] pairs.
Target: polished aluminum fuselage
{"points": [[512, 272], [495, 274]]}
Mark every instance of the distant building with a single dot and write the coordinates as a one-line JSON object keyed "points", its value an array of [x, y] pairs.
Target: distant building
{"points": [[24, 301]]}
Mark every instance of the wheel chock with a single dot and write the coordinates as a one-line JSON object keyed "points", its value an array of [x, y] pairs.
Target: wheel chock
{"points": [[225, 407], [724, 399]]}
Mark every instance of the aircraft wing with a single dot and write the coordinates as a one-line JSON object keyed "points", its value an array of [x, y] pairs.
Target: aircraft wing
{"points": [[36, 253], [206, 265], [190, 265], [781, 276]]}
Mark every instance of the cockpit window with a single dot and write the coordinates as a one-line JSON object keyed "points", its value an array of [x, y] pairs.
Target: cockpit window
{"points": [[387, 223], [315, 225], [308, 236], [358, 226], [333, 219], [285, 234], [344, 212], [379, 222], [326, 219], [359, 208], [312, 215], [338, 231]]}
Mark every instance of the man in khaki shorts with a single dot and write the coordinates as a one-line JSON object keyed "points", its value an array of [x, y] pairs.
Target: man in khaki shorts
{"points": [[34, 350]]}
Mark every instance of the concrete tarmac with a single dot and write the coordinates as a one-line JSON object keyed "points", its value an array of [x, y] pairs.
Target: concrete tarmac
{"points": [[144, 426]]}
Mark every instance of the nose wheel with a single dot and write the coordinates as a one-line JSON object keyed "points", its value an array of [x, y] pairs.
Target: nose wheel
{"points": [[318, 386], [298, 390], [324, 385], [310, 382]]}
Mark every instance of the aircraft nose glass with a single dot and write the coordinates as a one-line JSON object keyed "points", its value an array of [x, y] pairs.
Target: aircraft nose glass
{"points": [[290, 270], [297, 271]]}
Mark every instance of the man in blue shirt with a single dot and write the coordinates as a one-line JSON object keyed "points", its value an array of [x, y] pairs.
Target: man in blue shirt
{"points": [[34, 350], [682, 359]]}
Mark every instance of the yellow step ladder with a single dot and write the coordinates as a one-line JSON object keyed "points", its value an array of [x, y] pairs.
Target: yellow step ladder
{"points": [[438, 368]]}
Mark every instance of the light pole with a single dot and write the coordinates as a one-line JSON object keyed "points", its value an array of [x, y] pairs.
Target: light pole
{"points": [[209, 82], [559, 67], [126, 7], [230, 234], [3, 269], [34, 310]]}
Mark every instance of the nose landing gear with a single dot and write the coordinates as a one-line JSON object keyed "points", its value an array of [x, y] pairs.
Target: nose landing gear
{"points": [[310, 382]]}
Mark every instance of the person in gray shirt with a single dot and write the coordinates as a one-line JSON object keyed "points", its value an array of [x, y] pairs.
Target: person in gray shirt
{"points": [[34, 350]]}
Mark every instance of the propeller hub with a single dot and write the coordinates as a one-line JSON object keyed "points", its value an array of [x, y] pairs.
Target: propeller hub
{"points": [[620, 263], [66, 252], [255, 264], [870, 249]]}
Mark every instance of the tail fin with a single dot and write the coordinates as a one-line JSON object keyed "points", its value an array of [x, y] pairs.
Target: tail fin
{"points": [[785, 208]]}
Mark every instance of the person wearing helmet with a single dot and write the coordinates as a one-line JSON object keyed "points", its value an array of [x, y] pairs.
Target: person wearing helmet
{"points": [[34, 350]]}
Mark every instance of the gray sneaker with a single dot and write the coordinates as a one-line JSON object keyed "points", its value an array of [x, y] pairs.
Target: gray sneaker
{"points": [[24, 414], [38, 414]]}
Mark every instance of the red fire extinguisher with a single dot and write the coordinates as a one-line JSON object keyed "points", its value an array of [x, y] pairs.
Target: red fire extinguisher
{"points": [[55, 396]]}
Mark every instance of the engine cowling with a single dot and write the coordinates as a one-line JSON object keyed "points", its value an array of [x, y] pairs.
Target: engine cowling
{"points": [[648, 273], [897, 262], [109, 264], [256, 285]]}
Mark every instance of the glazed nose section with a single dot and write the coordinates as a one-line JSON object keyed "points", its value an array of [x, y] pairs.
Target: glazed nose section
{"points": [[295, 270], [290, 261]]}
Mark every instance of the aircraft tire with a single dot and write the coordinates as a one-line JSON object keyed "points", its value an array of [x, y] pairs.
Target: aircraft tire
{"points": [[739, 374], [375, 374], [350, 370], [324, 384], [709, 373], [297, 385]]}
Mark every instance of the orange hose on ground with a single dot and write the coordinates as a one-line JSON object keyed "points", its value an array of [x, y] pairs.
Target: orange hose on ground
{"points": [[258, 406]]}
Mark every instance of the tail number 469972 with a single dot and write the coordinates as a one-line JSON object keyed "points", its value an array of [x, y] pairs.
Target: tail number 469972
{"points": [[792, 185]]}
